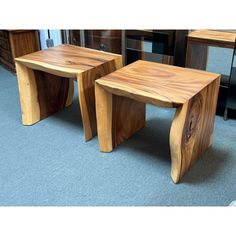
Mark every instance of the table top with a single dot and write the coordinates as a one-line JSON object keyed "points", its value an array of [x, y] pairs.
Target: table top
{"points": [[66, 58], [155, 83], [214, 37]]}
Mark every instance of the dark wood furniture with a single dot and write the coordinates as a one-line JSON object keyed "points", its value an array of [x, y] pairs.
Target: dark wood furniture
{"points": [[120, 107], [198, 45], [105, 40], [16, 43], [168, 46], [45, 80], [74, 37]]}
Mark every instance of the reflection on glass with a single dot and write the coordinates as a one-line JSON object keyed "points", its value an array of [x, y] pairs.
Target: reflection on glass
{"points": [[143, 49], [219, 60]]}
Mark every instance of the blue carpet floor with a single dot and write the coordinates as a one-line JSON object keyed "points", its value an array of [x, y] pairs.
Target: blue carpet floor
{"points": [[49, 164]]}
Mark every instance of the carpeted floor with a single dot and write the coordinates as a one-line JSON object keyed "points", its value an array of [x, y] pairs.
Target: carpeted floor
{"points": [[49, 163]]}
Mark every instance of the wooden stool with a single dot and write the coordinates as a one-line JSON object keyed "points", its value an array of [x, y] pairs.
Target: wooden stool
{"points": [[120, 106], [44, 90]]}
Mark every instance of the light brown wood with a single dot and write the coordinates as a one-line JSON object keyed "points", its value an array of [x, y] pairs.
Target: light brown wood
{"points": [[121, 98], [86, 81], [69, 99], [104, 118], [42, 94], [191, 130], [28, 95], [157, 84], [118, 118], [67, 60], [44, 89], [216, 38], [122, 128]]}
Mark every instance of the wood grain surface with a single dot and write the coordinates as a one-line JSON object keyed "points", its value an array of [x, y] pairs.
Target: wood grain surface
{"points": [[24, 42], [191, 130], [120, 98], [42, 94], [118, 118], [67, 60], [86, 81], [213, 37], [54, 93], [44, 89], [155, 83]]}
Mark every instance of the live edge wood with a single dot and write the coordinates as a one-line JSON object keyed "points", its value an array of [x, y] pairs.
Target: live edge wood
{"points": [[45, 81], [120, 105], [191, 130]]}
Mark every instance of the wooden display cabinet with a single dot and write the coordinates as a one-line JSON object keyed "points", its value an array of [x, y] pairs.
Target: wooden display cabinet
{"points": [[167, 46], [104, 40]]}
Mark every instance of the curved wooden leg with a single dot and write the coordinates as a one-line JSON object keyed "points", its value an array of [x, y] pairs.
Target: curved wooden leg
{"points": [[87, 104], [70, 95], [42, 94], [191, 130]]}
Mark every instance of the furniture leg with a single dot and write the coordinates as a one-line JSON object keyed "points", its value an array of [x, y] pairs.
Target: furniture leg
{"points": [[118, 118], [42, 94], [191, 130], [86, 89], [226, 114]]}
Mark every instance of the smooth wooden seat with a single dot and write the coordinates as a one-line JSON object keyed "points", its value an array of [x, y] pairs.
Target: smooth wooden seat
{"points": [[121, 97], [156, 83], [68, 60], [44, 89]]}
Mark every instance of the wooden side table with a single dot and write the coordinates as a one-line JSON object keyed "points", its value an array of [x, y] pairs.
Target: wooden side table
{"points": [[120, 106], [45, 80]]}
